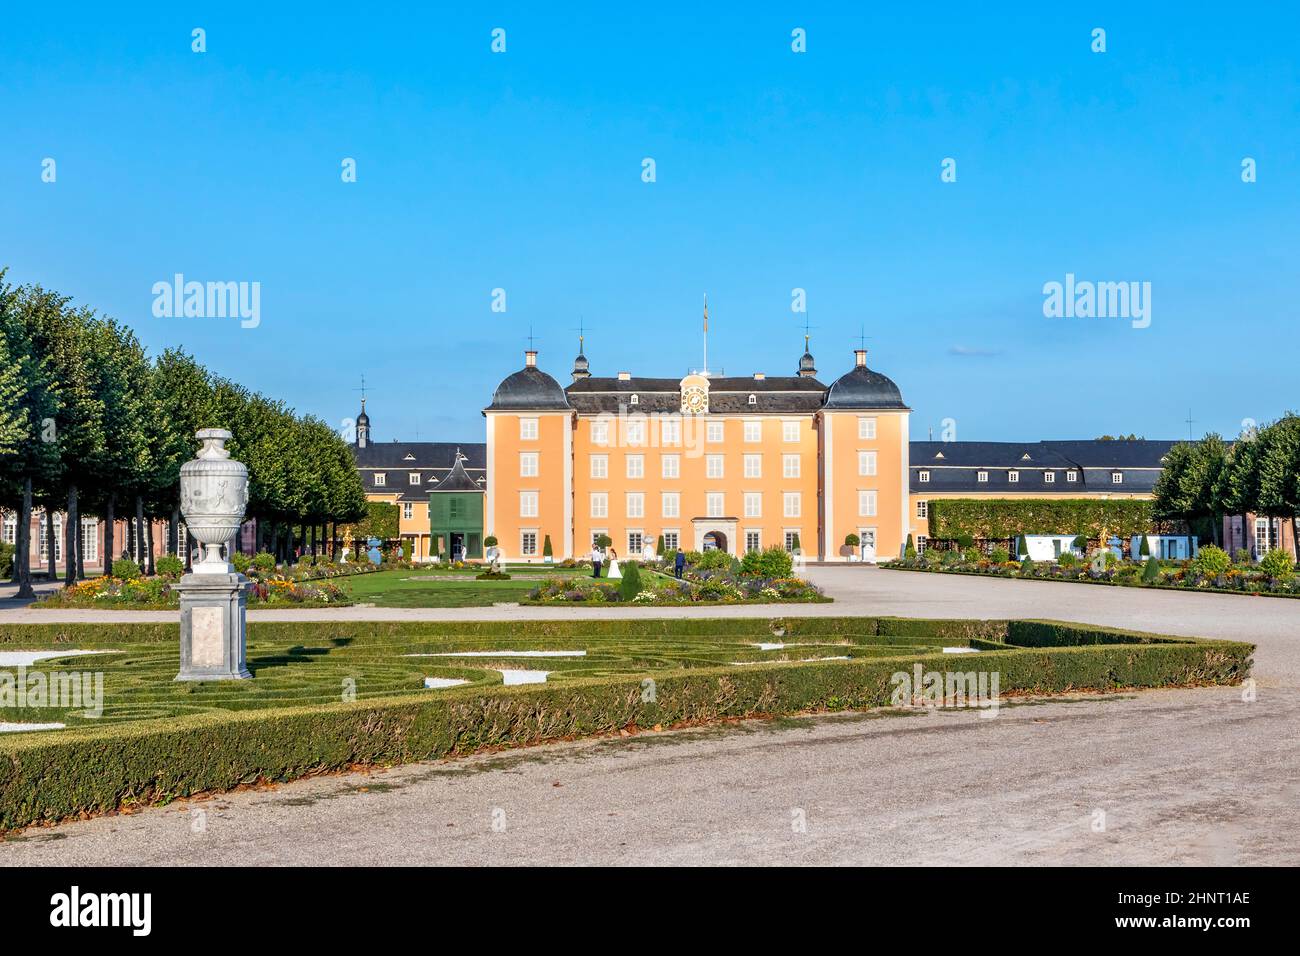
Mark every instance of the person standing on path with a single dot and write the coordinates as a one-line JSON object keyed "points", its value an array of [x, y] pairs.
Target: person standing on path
{"points": [[679, 564], [597, 559]]}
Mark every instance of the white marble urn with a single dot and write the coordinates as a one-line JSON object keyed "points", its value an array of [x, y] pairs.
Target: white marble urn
{"points": [[214, 494]]}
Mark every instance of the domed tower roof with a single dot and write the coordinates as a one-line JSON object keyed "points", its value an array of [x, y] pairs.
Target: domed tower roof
{"points": [[363, 426], [863, 388], [807, 368], [529, 390], [581, 369]]}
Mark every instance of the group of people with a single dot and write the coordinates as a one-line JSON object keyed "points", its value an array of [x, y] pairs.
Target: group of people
{"points": [[598, 556]]}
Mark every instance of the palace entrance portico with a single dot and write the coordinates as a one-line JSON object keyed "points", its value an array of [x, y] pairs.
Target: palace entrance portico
{"points": [[715, 533]]}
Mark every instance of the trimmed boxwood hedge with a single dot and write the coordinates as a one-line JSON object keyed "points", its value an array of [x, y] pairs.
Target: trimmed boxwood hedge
{"points": [[53, 776], [1005, 518]]}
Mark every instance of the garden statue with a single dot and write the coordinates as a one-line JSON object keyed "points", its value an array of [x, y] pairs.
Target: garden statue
{"points": [[214, 597]]}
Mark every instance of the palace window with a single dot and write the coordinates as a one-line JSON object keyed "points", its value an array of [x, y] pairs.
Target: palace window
{"points": [[635, 504], [753, 399], [920, 543], [44, 546], [90, 539], [408, 510], [791, 540], [528, 504], [635, 544], [789, 466], [753, 504], [753, 541], [753, 431], [866, 428], [866, 463], [671, 466], [1049, 477], [753, 466], [789, 431], [600, 432], [982, 477], [713, 466], [866, 504], [528, 464], [10, 533], [923, 477], [1117, 477], [381, 479], [1071, 476], [599, 505], [923, 509], [528, 543], [793, 504], [714, 504], [671, 504], [528, 429], [635, 431], [713, 432], [636, 466], [670, 431], [1013, 477], [636, 399], [413, 478], [670, 541], [600, 466]]}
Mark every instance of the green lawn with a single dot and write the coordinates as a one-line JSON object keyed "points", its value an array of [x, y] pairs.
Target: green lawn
{"points": [[424, 587]]}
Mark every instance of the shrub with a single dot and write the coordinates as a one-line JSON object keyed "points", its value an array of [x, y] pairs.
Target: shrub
{"points": [[852, 540], [492, 576], [241, 561], [1027, 566], [999, 555], [1276, 564], [1067, 559], [264, 561], [714, 560], [6, 559], [659, 546], [909, 550], [965, 542], [169, 566], [126, 569], [774, 562], [1151, 572], [490, 541], [604, 541], [1145, 550], [630, 586], [547, 551], [1212, 561], [971, 555]]}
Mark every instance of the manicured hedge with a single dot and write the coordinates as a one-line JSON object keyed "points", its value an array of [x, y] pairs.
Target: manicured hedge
{"points": [[1004, 518], [46, 777]]}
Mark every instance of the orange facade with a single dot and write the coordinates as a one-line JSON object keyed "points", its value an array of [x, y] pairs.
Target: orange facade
{"points": [[736, 464]]}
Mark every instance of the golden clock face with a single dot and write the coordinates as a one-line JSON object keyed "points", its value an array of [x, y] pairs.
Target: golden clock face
{"points": [[695, 400]]}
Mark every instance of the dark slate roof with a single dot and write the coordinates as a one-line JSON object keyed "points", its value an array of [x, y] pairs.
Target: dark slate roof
{"points": [[1139, 461], [860, 387], [457, 480], [528, 390], [774, 394], [432, 460]]}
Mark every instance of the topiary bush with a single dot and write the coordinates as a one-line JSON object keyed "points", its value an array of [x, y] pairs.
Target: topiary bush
{"points": [[1276, 564], [852, 540], [630, 586], [1151, 571], [126, 569]]}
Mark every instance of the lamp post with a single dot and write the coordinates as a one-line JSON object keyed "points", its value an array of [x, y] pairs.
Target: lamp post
{"points": [[214, 597]]}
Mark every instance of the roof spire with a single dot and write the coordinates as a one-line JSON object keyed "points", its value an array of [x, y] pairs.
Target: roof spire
{"points": [[581, 368]]}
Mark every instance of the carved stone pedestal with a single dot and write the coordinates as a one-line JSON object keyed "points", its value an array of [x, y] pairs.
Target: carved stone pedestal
{"points": [[212, 626]]}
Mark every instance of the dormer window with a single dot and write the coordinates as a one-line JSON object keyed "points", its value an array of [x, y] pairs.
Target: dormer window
{"points": [[409, 457], [981, 476], [636, 399], [753, 399], [1049, 477], [1071, 476], [381, 479], [414, 478], [923, 477], [1013, 477], [1117, 477]]}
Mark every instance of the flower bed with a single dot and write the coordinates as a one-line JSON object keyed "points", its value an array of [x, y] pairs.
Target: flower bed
{"points": [[1211, 571], [275, 589]]}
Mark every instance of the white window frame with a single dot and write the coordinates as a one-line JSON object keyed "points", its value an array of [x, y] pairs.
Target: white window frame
{"points": [[1071, 476], [670, 463], [715, 504], [789, 431], [670, 431], [1117, 477], [922, 508], [753, 431], [792, 504], [923, 477], [715, 431], [599, 504], [529, 504], [413, 478], [89, 540], [599, 466], [634, 502], [528, 464], [634, 550], [528, 549], [714, 466], [790, 466], [671, 540], [528, 429], [600, 432], [1013, 477], [982, 477], [670, 504], [866, 428], [408, 510], [868, 503], [753, 540], [753, 504], [634, 431], [381, 479], [867, 464], [753, 466], [1049, 477], [634, 467]]}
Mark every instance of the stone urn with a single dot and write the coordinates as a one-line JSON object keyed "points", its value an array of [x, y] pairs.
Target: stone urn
{"points": [[214, 494]]}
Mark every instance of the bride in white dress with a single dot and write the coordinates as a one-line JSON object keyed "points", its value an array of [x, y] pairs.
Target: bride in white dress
{"points": [[614, 572]]}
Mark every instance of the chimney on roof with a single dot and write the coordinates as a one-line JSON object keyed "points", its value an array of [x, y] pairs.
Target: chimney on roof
{"points": [[759, 376], [625, 376], [860, 356], [530, 358]]}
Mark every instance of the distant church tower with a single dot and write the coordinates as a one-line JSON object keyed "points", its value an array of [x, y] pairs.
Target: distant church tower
{"points": [[807, 369], [363, 426], [581, 368]]}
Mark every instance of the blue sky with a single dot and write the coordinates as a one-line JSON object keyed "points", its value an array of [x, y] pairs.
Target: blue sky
{"points": [[775, 171]]}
